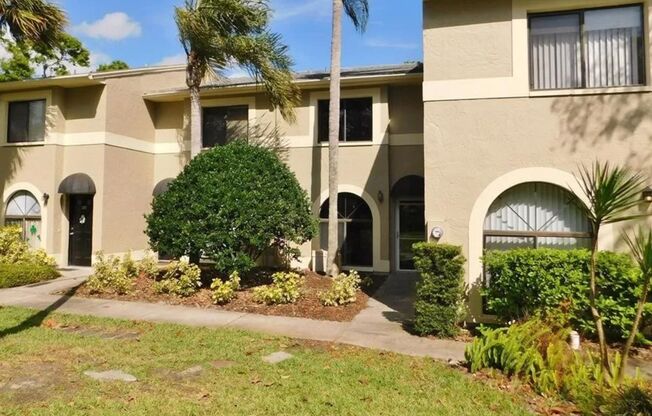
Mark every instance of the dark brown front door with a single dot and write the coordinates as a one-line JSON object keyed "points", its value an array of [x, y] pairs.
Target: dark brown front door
{"points": [[80, 242]]}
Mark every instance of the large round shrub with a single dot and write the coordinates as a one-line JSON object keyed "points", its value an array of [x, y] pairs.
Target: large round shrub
{"points": [[230, 204]]}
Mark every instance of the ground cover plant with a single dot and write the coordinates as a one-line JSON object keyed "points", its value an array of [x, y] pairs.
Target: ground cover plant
{"points": [[54, 351]]}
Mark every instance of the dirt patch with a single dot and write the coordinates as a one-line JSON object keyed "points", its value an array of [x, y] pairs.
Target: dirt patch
{"points": [[308, 306], [32, 382]]}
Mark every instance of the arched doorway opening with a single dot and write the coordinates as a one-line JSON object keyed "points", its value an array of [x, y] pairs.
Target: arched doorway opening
{"points": [[355, 230]]}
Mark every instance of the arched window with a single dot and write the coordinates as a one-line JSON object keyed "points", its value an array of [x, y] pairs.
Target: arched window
{"points": [[355, 230], [536, 215], [24, 211]]}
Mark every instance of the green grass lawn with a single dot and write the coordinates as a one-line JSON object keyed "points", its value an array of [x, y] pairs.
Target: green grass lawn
{"points": [[41, 372]]}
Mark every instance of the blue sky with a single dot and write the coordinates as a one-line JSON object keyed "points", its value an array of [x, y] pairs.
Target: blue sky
{"points": [[142, 32]]}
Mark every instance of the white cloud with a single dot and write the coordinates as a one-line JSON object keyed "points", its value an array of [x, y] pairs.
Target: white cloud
{"points": [[177, 59], [381, 43], [285, 11], [113, 26]]}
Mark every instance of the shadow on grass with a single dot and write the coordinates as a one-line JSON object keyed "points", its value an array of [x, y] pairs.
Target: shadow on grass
{"points": [[38, 318]]}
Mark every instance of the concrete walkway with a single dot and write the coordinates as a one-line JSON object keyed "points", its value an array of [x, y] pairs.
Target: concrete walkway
{"points": [[379, 326]]}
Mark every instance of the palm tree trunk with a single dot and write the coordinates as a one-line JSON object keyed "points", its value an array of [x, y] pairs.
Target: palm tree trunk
{"points": [[632, 335], [597, 317], [195, 122], [334, 139]]}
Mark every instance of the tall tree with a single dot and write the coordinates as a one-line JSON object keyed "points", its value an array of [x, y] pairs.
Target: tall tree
{"points": [[58, 58], [217, 34], [358, 12], [612, 193], [18, 65], [113, 66], [36, 21]]}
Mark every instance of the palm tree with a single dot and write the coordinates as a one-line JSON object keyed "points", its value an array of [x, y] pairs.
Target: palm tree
{"points": [[612, 193], [36, 21], [641, 246], [358, 12], [216, 34]]}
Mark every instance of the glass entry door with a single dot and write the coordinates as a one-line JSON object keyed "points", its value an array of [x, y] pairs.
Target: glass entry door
{"points": [[411, 228]]}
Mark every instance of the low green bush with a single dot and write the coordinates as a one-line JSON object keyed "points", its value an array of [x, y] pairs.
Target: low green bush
{"points": [[540, 355], [440, 290], [286, 288], [109, 275], [21, 274], [148, 265], [180, 279], [633, 400], [225, 292], [343, 290], [554, 284]]}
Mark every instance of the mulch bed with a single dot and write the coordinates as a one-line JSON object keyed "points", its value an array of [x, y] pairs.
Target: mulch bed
{"points": [[308, 306]]}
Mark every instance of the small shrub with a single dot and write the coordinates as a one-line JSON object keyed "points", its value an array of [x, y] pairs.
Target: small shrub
{"points": [[13, 249], [21, 274], [343, 290], [629, 401], [180, 279], [109, 276], [129, 265], [225, 292], [286, 288], [148, 265], [440, 290], [554, 284]]}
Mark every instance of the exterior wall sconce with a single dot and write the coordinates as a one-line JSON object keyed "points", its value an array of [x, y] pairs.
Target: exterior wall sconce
{"points": [[647, 194], [46, 198], [381, 196]]}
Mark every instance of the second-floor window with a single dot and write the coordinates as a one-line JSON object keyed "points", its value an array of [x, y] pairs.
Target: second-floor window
{"points": [[26, 121], [221, 125], [592, 48], [356, 116]]}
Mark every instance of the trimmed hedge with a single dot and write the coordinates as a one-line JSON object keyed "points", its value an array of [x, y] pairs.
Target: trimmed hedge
{"points": [[440, 291], [554, 283], [21, 274]]}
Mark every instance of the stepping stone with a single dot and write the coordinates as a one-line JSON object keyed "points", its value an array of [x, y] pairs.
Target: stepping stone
{"points": [[25, 384], [111, 375], [222, 364], [277, 357], [190, 372]]}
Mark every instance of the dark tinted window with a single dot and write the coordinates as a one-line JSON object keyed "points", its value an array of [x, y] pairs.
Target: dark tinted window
{"points": [[26, 121], [222, 125], [356, 119]]}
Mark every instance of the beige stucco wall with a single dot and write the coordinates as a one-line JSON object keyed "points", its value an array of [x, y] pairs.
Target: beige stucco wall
{"points": [[467, 39], [471, 144]]}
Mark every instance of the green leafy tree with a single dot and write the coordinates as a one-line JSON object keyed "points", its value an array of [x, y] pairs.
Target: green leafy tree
{"points": [[36, 21], [612, 192], [18, 66], [56, 59], [216, 34], [641, 246], [358, 12], [230, 204], [113, 66]]}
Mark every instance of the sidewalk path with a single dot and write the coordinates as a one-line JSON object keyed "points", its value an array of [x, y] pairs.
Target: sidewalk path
{"points": [[378, 327]]}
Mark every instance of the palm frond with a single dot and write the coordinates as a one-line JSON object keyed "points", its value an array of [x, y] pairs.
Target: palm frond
{"points": [[612, 192], [36, 21], [640, 244], [358, 12]]}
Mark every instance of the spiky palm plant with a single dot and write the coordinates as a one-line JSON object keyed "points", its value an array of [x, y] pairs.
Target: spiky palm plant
{"points": [[640, 245], [216, 34], [358, 12], [35, 21], [612, 193]]}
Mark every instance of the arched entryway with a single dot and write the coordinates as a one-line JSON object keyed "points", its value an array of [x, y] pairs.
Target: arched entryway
{"points": [[355, 230], [409, 222], [79, 190]]}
